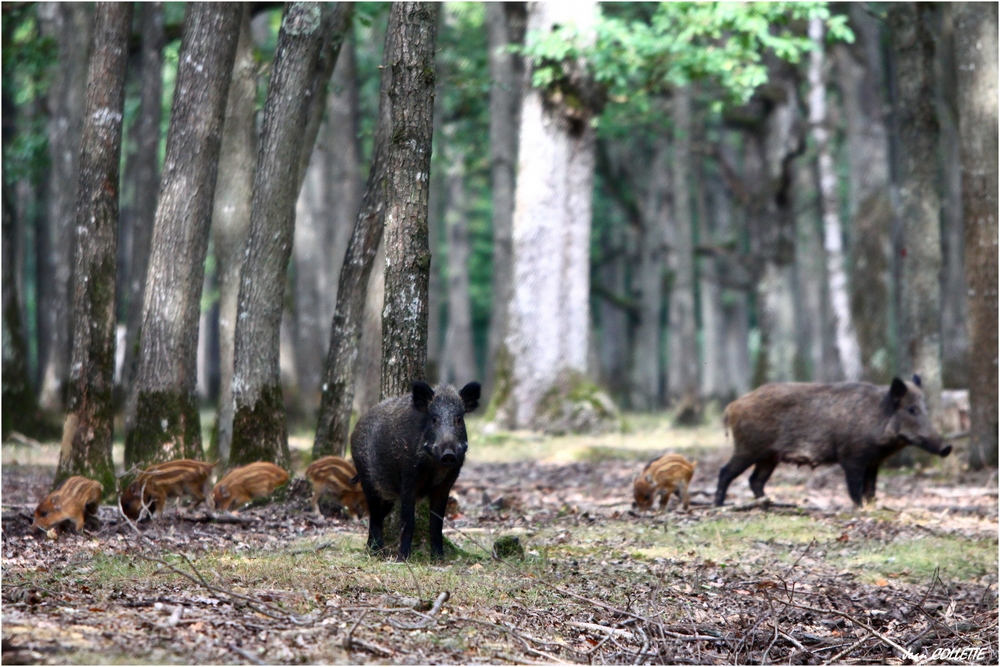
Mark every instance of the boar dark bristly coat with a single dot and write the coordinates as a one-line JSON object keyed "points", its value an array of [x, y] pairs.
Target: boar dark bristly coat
{"points": [[410, 447], [855, 424]]}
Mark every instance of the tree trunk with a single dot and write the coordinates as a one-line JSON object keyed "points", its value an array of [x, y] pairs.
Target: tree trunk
{"points": [[71, 27], [407, 257], [458, 359], [19, 405], [88, 430], [145, 176], [848, 351], [647, 283], [356, 277], [259, 428], [920, 288], [682, 376], [976, 60], [231, 217], [954, 311], [325, 214], [614, 344], [505, 23], [368, 374], [860, 80], [162, 408], [549, 317]]}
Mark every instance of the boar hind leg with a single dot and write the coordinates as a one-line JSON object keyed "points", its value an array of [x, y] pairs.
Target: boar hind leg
{"points": [[854, 475], [761, 473], [729, 472]]}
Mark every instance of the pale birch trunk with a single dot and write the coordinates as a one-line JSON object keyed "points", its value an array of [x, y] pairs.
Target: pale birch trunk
{"points": [[847, 341]]}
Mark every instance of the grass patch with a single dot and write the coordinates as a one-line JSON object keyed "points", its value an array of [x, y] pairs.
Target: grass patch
{"points": [[916, 560]]}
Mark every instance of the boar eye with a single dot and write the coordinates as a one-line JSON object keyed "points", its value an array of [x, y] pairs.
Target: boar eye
{"points": [[458, 421], [435, 420], [913, 410], [43, 513]]}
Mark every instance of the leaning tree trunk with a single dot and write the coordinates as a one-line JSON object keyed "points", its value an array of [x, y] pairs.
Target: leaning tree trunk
{"points": [[352, 291], [72, 29], [408, 161], [145, 175], [325, 214], [458, 362], [231, 217], [163, 422], [88, 430], [848, 350], [860, 77], [505, 23], [920, 287], [549, 325], [976, 60], [683, 369], [259, 429]]}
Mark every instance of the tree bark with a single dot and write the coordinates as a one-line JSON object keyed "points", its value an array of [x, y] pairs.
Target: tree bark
{"points": [[259, 428], [407, 256], [647, 283], [71, 26], [860, 69], [848, 351], [368, 375], [920, 289], [549, 323], [88, 429], [976, 60], [458, 358], [325, 214], [145, 176], [231, 217], [357, 278], [954, 311], [162, 421], [505, 23], [683, 370]]}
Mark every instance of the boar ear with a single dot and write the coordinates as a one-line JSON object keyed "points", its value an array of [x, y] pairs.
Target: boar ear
{"points": [[916, 380], [897, 390], [470, 395], [422, 395]]}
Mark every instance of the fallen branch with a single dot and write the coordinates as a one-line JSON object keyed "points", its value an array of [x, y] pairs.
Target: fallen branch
{"points": [[246, 655], [901, 650]]}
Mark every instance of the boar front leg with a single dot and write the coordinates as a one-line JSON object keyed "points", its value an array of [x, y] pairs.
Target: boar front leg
{"points": [[439, 505], [407, 521], [854, 475], [378, 509], [729, 472], [870, 481]]}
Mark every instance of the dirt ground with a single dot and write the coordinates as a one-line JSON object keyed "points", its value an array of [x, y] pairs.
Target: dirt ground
{"points": [[806, 580]]}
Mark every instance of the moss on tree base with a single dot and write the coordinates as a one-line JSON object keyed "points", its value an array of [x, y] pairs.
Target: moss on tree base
{"points": [[260, 432], [574, 404], [167, 427]]}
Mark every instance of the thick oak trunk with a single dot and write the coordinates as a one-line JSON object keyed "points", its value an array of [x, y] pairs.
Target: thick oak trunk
{"points": [[259, 428], [407, 256], [920, 201], [88, 429], [976, 51], [162, 420], [145, 176]]}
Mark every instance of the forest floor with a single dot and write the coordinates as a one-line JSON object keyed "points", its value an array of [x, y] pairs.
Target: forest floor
{"points": [[805, 580]]}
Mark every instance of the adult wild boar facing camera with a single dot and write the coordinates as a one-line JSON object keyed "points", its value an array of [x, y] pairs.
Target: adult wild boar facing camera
{"points": [[855, 424], [408, 447]]}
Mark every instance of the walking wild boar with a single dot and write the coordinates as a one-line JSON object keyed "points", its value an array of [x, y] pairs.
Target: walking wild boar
{"points": [[74, 502], [410, 447], [855, 424], [241, 485]]}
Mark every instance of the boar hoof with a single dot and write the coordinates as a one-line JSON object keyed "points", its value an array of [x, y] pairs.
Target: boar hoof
{"points": [[945, 451]]}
